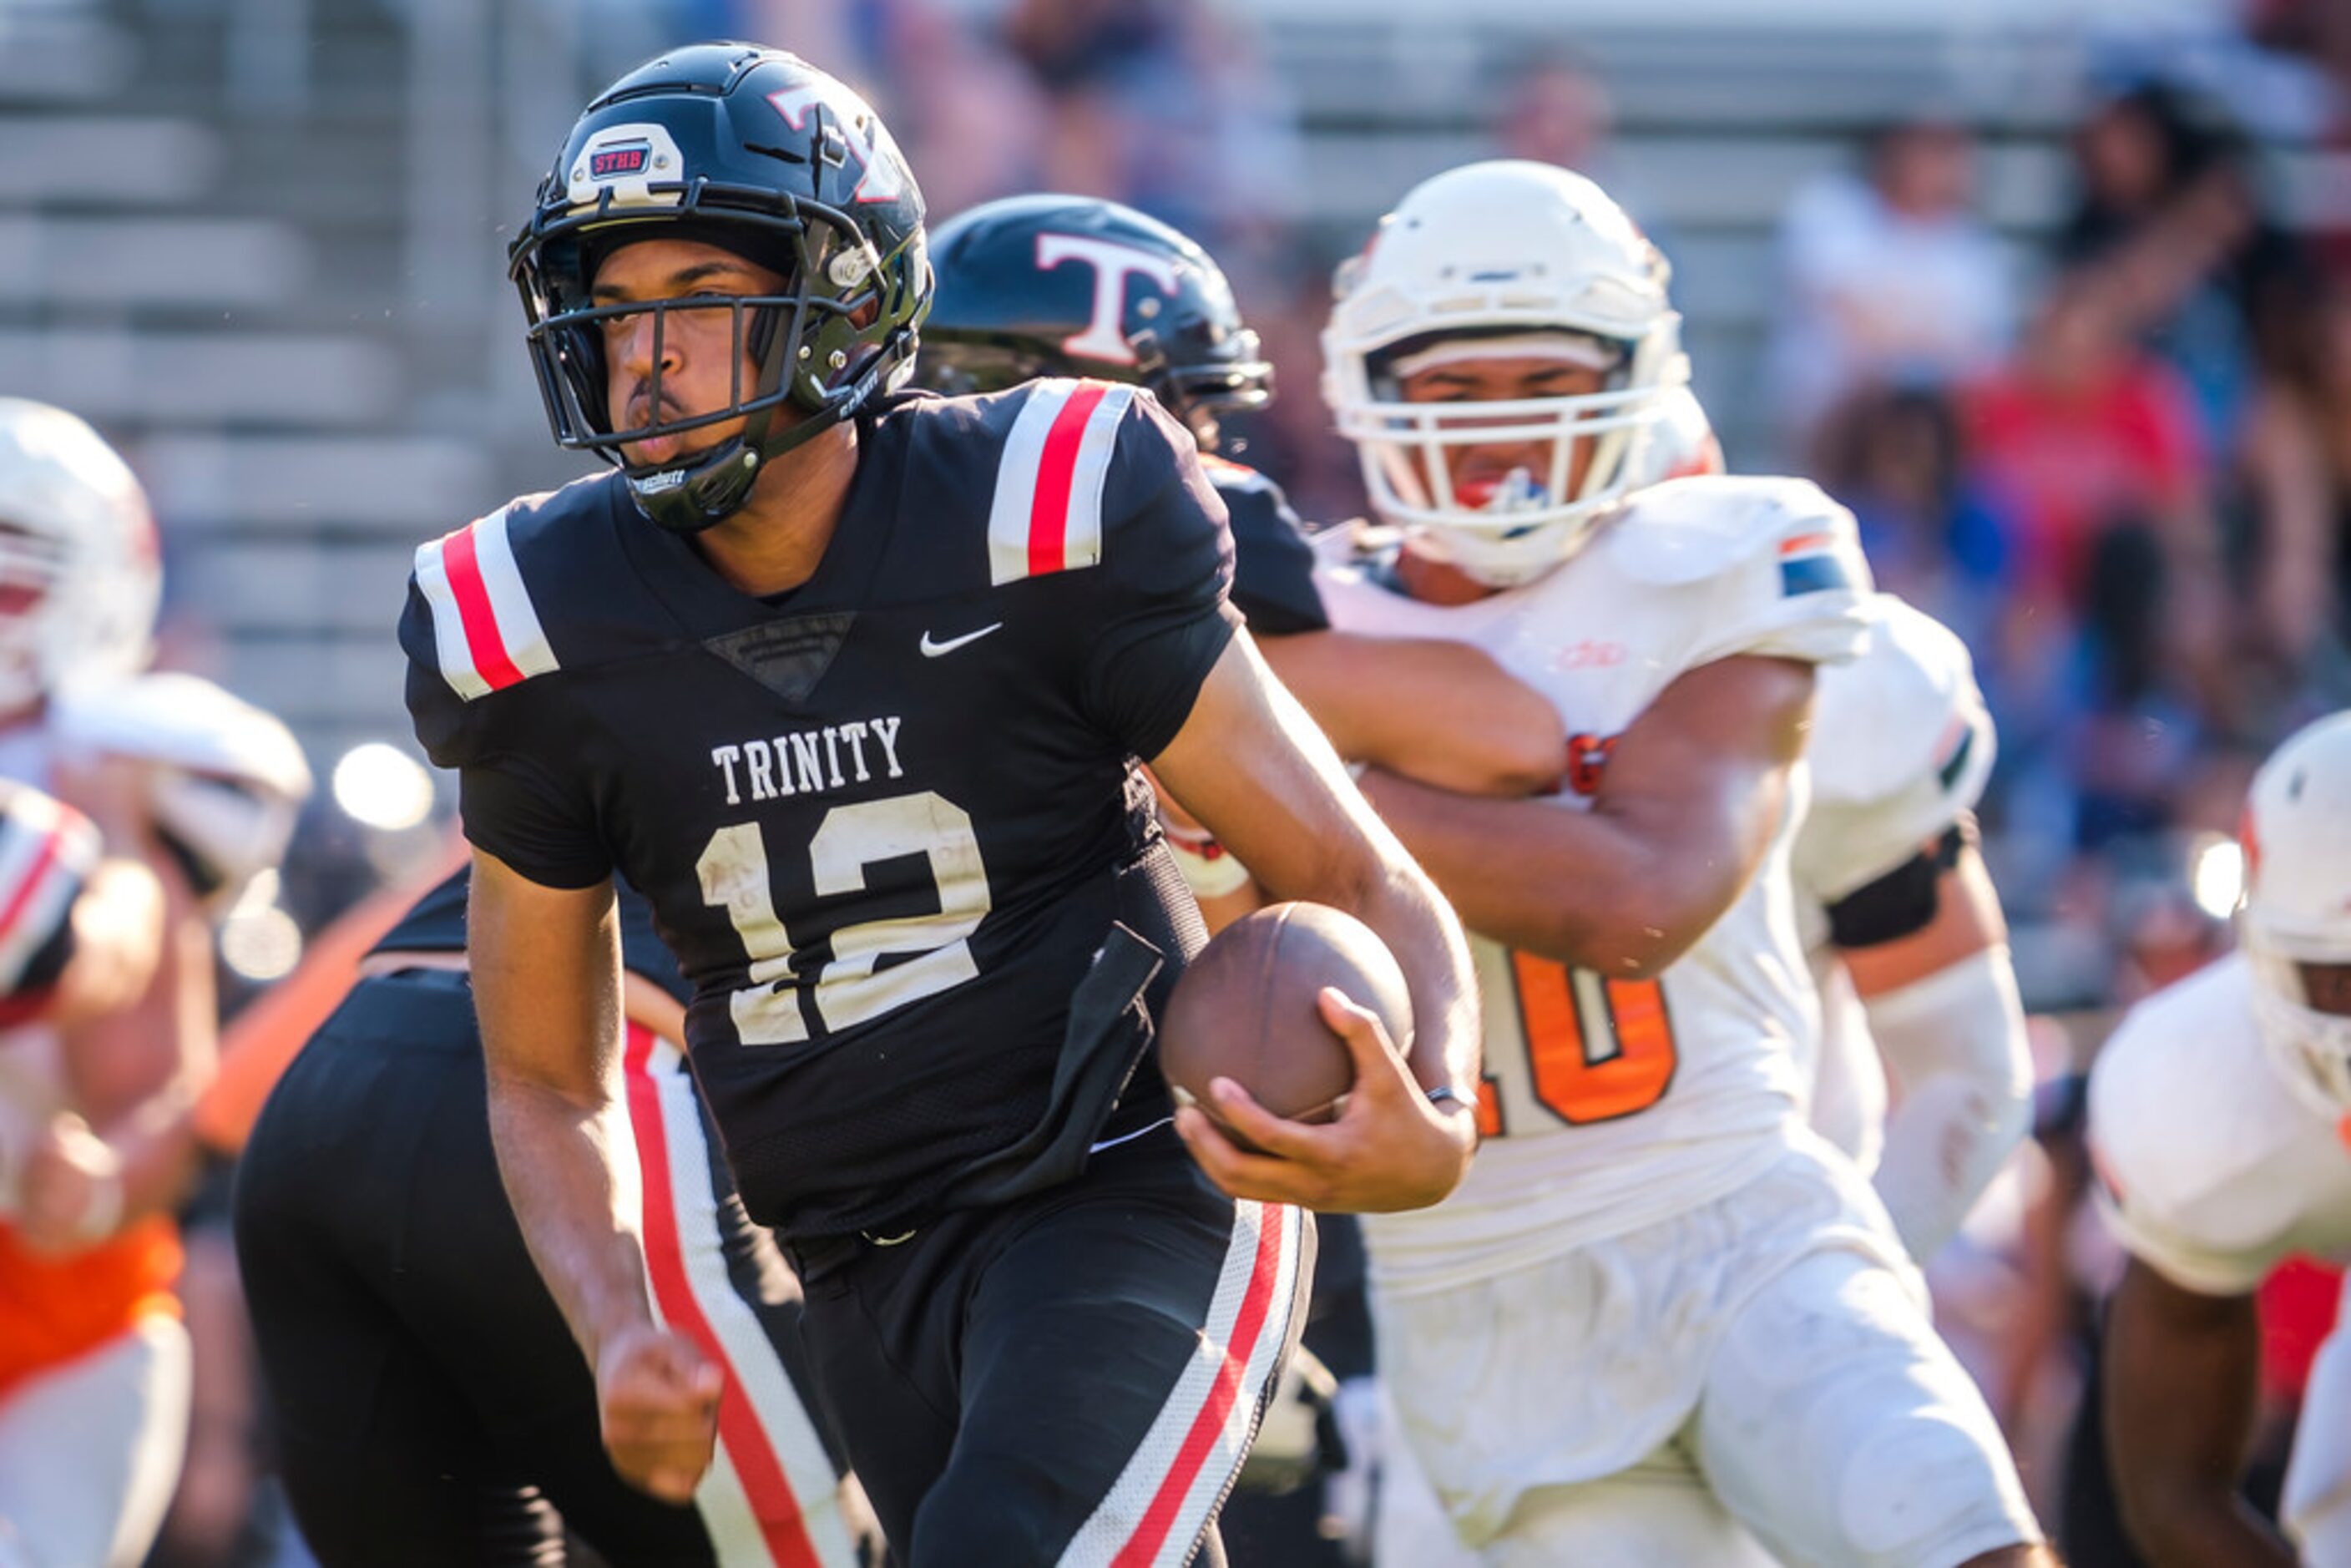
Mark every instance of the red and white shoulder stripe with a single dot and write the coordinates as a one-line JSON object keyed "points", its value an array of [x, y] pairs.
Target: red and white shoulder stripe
{"points": [[1047, 515], [46, 850], [1160, 1503], [483, 627]]}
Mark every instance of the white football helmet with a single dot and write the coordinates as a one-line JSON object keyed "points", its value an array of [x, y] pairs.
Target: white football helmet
{"points": [[78, 576], [2297, 905], [1499, 250]]}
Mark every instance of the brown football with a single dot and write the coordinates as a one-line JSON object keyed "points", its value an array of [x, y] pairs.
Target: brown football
{"points": [[1245, 1010]]}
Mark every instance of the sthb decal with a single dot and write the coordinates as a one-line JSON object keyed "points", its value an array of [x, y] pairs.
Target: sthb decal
{"points": [[1113, 264], [623, 164], [611, 162]]}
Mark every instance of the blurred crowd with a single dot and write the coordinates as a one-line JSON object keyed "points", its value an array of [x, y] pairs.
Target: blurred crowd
{"points": [[2116, 457]]}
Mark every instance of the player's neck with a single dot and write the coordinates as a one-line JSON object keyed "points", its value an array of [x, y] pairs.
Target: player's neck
{"points": [[777, 540], [1439, 582]]}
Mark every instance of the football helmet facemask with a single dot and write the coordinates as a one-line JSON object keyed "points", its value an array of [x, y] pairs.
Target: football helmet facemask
{"points": [[1073, 285], [757, 151], [2297, 908], [80, 579], [1487, 258]]}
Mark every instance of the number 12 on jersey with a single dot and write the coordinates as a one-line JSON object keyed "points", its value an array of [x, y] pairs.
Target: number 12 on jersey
{"points": [[1579, 1047], [931, 952]]}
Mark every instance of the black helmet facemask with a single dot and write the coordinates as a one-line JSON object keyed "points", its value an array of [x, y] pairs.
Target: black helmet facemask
{"points": [[840, 331]]}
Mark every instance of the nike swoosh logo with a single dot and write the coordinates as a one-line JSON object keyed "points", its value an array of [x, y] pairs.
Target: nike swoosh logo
{"points": [[932, 649]]}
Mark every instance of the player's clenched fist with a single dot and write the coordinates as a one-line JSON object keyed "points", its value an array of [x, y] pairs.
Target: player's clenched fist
{"points": [[658, 1397]]}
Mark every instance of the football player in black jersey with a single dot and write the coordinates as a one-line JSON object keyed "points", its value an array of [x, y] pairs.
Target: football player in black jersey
{"points": [[429, 1403], [853, 688]]}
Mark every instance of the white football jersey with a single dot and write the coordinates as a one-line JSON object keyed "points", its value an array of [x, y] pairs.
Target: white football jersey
{"points": [[1610, 1105], [1902, 743], [2210, 1166]]}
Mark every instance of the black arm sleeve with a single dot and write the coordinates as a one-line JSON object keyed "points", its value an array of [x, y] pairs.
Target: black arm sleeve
{"points": [[1900, 904]]}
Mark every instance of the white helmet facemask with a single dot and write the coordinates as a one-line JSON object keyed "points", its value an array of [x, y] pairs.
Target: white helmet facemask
{"points": [[79, 580], [2297, 906], [1507, 259]]}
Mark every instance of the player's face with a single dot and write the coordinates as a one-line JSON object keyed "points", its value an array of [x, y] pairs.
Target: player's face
{"points": [[1475, 468], [2328, 987], [705, 365]]}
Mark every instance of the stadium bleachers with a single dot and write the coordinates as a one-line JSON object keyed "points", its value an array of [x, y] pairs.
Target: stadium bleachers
{"points": [[275, 269]]}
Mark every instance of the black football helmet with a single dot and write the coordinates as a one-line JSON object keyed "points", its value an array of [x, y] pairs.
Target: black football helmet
{"points": [[1073, 285], [759, 152]]}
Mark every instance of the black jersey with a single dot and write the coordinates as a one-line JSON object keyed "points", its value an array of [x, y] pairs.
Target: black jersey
{"points": [[890, 823], [436, 923], [1273, 566]]}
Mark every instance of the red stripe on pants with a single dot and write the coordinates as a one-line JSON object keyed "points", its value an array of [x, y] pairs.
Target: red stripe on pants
{"points": [[1165, 1503], [772, 1502]]}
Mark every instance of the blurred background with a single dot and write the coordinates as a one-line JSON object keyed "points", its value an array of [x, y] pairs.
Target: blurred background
{"points": [[2055, 294]]}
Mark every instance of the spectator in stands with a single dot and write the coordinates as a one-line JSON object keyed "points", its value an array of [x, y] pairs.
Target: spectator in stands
{"points": [[2138, 728], [1888, 279], [2295, 463], [1166, 106], [2167, 206], [968, 113], [1893, 456], [2078, 429], [1556, 109]]}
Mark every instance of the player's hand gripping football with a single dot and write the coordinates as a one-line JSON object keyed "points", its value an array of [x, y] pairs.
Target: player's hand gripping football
{"points": [[658, 1396], [1389, 1149]]}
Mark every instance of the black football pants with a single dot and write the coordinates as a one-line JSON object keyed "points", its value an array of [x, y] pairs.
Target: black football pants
{"points": [[430, 1400], [1071, 1378]]}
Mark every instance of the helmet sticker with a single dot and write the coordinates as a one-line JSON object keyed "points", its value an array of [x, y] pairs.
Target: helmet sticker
{"points": [[628, 161], [1113, 263], [885, 176]]}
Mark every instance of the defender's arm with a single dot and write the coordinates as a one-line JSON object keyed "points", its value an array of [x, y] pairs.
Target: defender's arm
{"points": [[1691, 796], [134, 1071], [1927, 951], [1439, 712], [2180, 1384]]}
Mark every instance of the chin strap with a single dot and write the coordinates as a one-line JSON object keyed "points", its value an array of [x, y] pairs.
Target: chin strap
{"points": [[690, 499]]}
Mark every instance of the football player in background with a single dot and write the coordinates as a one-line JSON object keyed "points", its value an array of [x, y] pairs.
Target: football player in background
{"points": [[853, 689], [1075, 286], [200, 789], [431, 1405], [1904, 932], [2218, 1118], [1661, 1320]]}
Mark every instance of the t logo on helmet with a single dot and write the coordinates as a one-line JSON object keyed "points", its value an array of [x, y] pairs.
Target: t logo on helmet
{"points": [[1112, 262], [886, 177]]}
